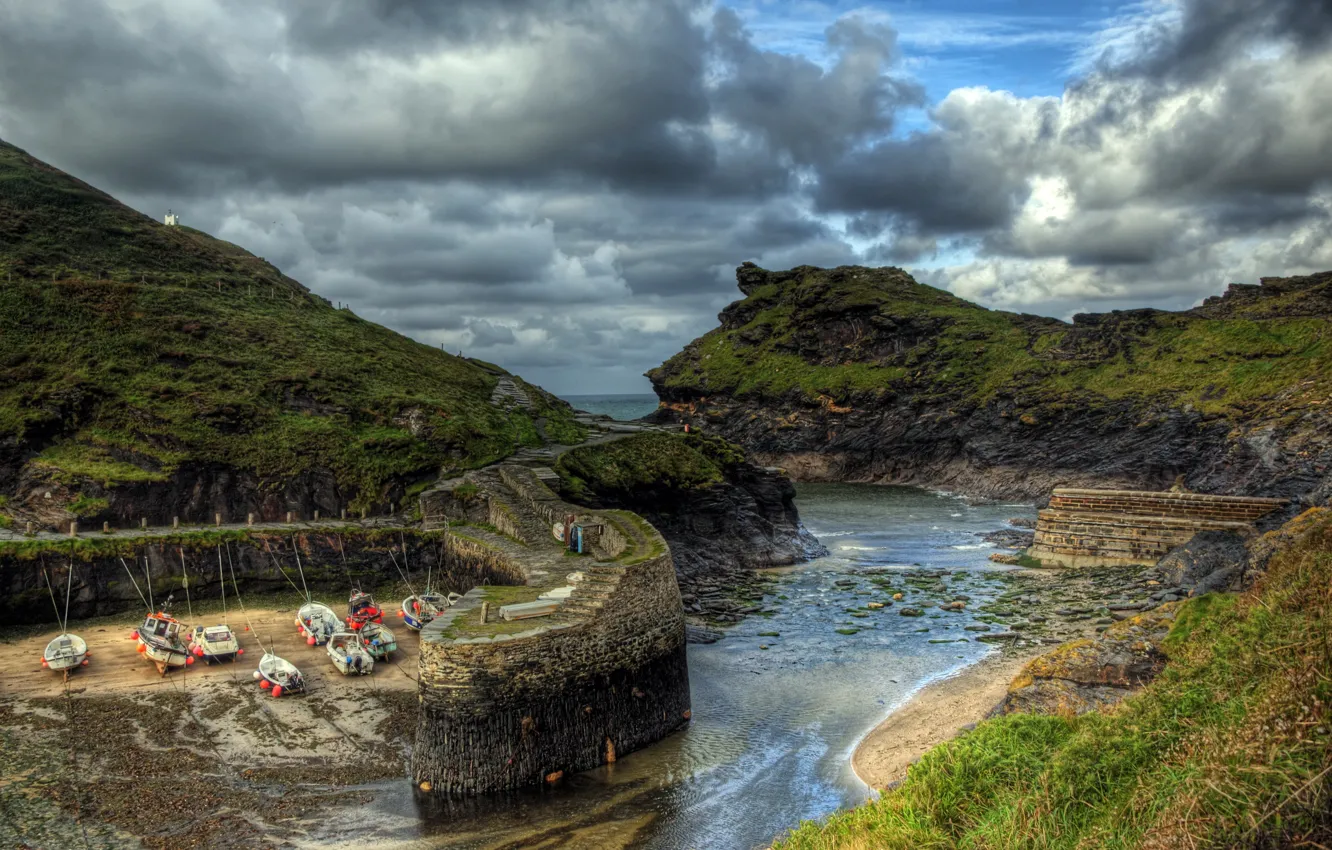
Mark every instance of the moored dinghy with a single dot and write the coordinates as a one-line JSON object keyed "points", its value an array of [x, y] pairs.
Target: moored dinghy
{"points": [[214, 644], [317, 623], [361, 609], [349, 654], [279, 676], [379, 640], [64, 653], [420, 608]]}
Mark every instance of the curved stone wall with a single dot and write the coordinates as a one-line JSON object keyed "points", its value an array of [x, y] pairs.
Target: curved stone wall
{"points": [[603, 676]]}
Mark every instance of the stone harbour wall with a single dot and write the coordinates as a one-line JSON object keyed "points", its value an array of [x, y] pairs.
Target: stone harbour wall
{"points": [[1107, 527], [605, 675]]}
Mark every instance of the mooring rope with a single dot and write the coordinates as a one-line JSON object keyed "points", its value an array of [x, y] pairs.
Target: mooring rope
{"points": [[136, 586]]}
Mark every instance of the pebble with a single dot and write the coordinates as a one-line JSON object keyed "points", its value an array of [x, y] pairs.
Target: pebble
{"points": [[977, 627]]}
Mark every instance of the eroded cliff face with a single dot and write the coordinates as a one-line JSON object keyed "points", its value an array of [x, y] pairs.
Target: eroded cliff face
{"points": [[858, 374], [722, 515]]}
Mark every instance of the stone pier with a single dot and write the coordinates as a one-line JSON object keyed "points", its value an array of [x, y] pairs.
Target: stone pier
{"points": [[510, 704], [1121, 527]]}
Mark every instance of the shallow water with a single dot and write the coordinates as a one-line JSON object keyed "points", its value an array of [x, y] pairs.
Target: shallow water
{"points": [[773, 729]]}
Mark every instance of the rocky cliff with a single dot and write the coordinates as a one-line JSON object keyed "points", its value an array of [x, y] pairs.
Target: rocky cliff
{"points": [[149, 371], [721, 515], [861, 374]]}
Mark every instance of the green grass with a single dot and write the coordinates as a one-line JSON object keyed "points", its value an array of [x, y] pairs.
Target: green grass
{"points": [[833, 339], [133, 349], [1229, 747], [662, 462]]}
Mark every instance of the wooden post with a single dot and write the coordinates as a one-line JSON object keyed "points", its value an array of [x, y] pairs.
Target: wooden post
{"points": [[143, 522], [29, 531], [175, 522], [316, 517], [289, 517], [485, 612], [106, 528], [344, 513], [73, 529], [249, 520]]}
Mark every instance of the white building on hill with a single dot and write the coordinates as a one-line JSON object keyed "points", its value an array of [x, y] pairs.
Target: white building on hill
{"points": [[171, 219]]}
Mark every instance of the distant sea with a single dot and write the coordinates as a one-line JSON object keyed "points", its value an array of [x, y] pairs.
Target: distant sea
{"points": [[622, 407]]}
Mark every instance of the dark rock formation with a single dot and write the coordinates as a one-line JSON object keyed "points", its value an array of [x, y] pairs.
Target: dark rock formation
{"points": [[1212, 560], [1087, 675], [857, 374]]}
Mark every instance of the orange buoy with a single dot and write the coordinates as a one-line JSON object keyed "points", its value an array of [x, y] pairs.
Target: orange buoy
{"points": [[265, 684], [189, 660], [277, 690], [142, 648]]}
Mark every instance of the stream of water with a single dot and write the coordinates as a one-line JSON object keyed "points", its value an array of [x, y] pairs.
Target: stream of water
{"points": [[773, 728]]}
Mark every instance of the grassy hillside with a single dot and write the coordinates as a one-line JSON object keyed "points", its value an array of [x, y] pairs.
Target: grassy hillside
{"points": [[851, 334], [617, 470], [1230, 747], [131, 349]]}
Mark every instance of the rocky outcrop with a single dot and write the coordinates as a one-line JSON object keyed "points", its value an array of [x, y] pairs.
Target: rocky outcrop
{"points": [[719, 532], [1087, 675], [858, 374]]}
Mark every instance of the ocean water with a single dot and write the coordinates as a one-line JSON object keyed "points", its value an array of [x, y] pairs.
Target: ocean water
{"points": [[621, 407], [773, 729]]}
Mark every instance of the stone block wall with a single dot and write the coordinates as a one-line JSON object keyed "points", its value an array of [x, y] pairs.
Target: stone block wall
{"points": [[1105, 527], [604, 676]]}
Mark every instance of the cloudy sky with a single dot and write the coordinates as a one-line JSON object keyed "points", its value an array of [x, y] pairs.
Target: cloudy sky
{"points": [[566, 186]]}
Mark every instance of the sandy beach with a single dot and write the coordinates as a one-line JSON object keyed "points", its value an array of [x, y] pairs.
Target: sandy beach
{"points": [[934, 715]]}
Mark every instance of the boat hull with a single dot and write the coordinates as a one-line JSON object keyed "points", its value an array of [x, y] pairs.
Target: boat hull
{"points": [[67, 652]]}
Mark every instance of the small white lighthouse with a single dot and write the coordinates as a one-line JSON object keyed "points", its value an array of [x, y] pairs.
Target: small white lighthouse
{"points": [[171, 219]]}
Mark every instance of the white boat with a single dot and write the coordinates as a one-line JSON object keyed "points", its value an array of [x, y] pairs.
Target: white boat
{"points": [[349, 654], [379, 640], [420, 608], [317, 623], [215, 644], [279, 676], [159, 638], [64, 653]]}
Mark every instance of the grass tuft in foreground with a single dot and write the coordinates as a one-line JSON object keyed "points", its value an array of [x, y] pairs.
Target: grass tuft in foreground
{"points": [[1230, 747]]}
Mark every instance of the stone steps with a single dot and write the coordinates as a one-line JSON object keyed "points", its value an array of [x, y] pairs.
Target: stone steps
{"points": [[508, 394]]}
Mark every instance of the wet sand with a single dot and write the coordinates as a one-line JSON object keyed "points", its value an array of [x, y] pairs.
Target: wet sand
{"points": [[935, 714], [200, 757]]}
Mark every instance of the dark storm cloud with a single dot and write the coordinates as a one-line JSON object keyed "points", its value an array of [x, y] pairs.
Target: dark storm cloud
{"points": [[800, 110], [1212, 32]]}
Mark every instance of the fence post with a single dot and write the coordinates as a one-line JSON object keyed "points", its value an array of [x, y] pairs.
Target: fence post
{"points": [[175, 522], [143, 522], [73, 529], [217, 520], [249, 520], [288, 517]]}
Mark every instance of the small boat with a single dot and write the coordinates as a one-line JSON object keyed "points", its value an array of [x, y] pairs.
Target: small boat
{"points": [[361, 609], [350, 655], [67, 652], [215, 644], [317, 622], [159, 638], [420, 608], [279, 676], [379, 640]]}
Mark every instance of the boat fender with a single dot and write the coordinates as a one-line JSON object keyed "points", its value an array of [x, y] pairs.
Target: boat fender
{"points": [[265, 684], [348, 659], [277, 690], [242, 652], [134, 633], [189, 660], [310, 640], [257, 677], [85, 662], [402, 613], [44, 664], [142, 648]]}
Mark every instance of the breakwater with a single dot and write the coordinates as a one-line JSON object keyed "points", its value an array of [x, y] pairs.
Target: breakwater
{"points": [[505, 705], [1107, 527]]}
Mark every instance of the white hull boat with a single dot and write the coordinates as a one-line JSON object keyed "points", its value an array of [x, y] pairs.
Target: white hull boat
{"points": [[159, 639], [279, 676], [420, 608], [379, 640], [349, 654], [215, 644], [317, 623], [65, 653]]}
